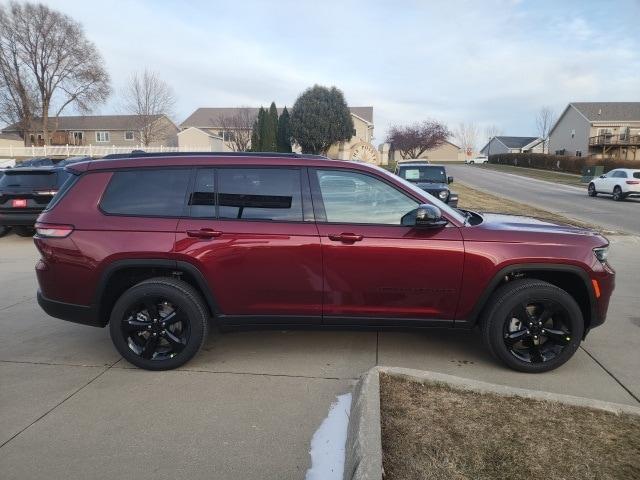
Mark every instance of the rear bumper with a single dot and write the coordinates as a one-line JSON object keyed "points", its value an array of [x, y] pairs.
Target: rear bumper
{"points": [[84, 314], [26, 219]]}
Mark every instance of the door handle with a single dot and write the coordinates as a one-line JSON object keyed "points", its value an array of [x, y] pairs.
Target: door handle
{"points": [[204, 233], [345, 237]]}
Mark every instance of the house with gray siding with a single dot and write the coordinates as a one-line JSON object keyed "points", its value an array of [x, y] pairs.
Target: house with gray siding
{"points": [[598, 129], [502, 144]]}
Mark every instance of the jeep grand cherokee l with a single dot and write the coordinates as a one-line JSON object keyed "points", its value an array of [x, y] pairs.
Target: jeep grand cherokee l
{"points": [[159, 246]]}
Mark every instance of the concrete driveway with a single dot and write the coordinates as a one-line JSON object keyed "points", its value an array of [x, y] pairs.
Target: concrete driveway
{"points": [[248, 405], [565, 199]]}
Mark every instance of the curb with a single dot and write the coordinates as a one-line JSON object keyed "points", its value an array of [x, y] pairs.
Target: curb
{"points": [[363, 450]]}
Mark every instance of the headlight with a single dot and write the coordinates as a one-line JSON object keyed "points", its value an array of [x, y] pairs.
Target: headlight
{"points": [[601, 253], [443, 195]]}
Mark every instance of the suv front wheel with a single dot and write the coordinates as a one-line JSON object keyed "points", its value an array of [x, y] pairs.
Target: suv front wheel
{"points": [[159, 324], [532, 325]]}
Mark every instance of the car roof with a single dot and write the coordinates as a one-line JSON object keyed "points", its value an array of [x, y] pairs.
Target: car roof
{"points": [[212, 159]]}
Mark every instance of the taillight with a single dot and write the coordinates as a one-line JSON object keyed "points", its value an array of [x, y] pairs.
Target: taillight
{"points": [[633, 182], [50, 230], [49, 193]]}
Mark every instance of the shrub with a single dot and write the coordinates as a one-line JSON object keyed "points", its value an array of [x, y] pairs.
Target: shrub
{"points": [[559, 163]]}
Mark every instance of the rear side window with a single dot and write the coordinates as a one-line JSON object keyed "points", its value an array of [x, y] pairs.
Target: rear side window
{"points": [[259, 194], [636, 174], [145, 192], [31, 179]]}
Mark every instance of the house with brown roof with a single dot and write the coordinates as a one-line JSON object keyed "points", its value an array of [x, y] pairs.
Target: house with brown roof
{"points": [[102, 130], [226, 123], [598, 129]]}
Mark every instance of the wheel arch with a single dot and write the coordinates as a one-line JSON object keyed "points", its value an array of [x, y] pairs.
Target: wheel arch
{"points": [[571, 278], [120, 275]]}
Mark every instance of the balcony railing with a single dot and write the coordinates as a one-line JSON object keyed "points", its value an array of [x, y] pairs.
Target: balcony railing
{"points": [[609, 139]]}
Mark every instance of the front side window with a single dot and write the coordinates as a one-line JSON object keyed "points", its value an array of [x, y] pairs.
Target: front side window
{"points": [[620, 174], [260, 194], [351, 197], [102, 136], [146, 192]]}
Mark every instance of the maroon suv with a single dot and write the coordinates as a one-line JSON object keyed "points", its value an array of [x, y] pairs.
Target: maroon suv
{"points": [[159, 246]]}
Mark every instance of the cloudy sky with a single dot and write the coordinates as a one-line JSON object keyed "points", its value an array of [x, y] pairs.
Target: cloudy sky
{"points": [[490, 62]]}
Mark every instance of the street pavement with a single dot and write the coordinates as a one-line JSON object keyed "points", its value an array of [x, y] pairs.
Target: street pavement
{"points": [[247, 406], [568, 200]]}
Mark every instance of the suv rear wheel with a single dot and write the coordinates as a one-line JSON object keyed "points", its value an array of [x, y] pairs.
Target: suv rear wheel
{"points": [[159, 324], [532, 326]]}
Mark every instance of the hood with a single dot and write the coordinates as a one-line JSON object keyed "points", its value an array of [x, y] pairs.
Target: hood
{"points": [[498, 221], [427, 186]]}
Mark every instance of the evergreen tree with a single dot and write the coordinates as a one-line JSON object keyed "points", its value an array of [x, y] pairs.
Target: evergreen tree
{"points": [[320, 118], [270, 140], [284, 132], [262, 130], [255, 137]]}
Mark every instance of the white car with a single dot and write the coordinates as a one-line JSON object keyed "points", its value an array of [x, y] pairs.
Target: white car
{"points": [[619, 183], [479, 159]]}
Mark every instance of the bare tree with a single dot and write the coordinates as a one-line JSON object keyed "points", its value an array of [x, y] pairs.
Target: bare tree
{"points": [[237, 128], [491, 131], [147, 97], [18, 97], [544, 121], [63, 66], [467, 136], [413, 140]]}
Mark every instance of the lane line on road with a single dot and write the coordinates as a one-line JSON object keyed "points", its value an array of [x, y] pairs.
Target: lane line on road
{"points": [[634, 396]]}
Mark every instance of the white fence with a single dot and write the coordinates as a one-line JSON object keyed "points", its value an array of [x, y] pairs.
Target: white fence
{"points": [[90, 150]]}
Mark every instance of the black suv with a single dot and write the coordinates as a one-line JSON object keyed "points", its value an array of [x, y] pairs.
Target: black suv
{"points": [[25, 192], [430, 178]]}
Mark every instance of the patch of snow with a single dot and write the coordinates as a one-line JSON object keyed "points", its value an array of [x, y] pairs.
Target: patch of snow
{"points": [[328, 442]]}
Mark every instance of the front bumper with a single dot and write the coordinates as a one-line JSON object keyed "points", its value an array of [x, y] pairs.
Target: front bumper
{"points": [[84, 314]]}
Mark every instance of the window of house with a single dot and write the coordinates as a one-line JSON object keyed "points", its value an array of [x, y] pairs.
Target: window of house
{"points": [[573, 133], [260, 194], [102, 136], [578, 153], [146, 192], [78, 138], [354, 132], [129, 135], [351, 197]]}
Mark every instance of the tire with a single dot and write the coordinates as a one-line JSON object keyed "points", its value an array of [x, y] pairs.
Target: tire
{"points": [[500, 324], [471, 162], [4, 230], [24, 231], [132, 327], [591, 190], [617, 194]]}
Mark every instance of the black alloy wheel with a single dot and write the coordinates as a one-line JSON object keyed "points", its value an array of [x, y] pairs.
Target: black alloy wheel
{"points": [[617, 193], [591, 190], [4, 230], [531, 325], [537, 332], [159, 324]]}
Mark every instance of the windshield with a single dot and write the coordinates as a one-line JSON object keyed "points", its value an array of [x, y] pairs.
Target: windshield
{"points": [[423, 174], [451, 212]]}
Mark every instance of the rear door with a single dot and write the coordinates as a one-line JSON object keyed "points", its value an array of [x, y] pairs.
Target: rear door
{"points": [[250, 230], [377, 270]]}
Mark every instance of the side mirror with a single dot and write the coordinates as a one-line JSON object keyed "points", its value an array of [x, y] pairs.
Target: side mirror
{"points": [[603, 176], [449, 179], [429, 216]]}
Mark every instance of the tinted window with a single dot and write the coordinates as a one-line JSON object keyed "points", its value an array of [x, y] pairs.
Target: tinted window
{"points": [[203, 197], [351, 197], [259, 194], [68, 182], [146, 193], [28, 179], [636, 174]]}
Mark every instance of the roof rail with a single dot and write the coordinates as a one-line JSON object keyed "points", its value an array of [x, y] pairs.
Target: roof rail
{"points": [[212, 154]]}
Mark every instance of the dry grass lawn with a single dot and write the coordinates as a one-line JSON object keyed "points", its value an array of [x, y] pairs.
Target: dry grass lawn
{"points": [[431, 431], [479, 201], [548, 175]]}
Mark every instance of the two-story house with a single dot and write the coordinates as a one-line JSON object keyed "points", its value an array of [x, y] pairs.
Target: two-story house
{"points": [[598, 129], [216, 128]]}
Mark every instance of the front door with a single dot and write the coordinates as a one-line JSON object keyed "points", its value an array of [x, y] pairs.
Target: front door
{"points": [[376, 270], [248, 233]]}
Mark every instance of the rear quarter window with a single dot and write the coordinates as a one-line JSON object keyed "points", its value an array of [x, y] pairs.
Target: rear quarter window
{"points": [[636, 174], [142, 192]]}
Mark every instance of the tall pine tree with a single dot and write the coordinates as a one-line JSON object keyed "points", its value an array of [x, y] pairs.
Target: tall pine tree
{"points": [[284, 132], [255, 137], [262, 130], [270, 140]]}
